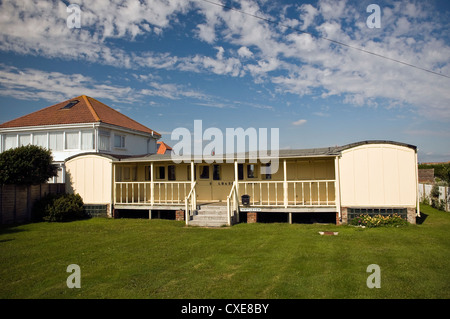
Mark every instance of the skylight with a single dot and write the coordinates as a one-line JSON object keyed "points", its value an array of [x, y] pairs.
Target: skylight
{"points": [[70, 105]]}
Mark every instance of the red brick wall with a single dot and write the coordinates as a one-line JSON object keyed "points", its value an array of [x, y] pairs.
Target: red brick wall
{"points": [[179, 215], [252, 217]]}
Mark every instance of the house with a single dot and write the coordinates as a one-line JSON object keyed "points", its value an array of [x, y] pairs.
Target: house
{"points": [[77, 126], [163, 148], [339, 183]]}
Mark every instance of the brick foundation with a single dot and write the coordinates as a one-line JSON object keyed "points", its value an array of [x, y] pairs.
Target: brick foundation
{"points": [[252, 217], [179, 215]]}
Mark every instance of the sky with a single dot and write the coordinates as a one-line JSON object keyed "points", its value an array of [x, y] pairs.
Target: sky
{"points": [[313, 69]]}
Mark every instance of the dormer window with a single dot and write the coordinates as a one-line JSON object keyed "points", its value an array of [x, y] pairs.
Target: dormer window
{"points": [[70, 105]]}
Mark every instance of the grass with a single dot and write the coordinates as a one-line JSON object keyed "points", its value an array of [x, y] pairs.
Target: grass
{"points": [[137, 258]]}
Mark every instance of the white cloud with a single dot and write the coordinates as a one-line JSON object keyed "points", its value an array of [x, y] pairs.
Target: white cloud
{"points": [[244, 52], [293, 62], [299, 122], [32, 84]]}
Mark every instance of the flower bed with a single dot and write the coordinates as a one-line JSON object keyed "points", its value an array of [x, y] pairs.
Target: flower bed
{"points": [[378, 220]]}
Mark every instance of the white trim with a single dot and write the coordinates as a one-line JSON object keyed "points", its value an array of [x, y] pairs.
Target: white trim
{"points": [[77, 125]]}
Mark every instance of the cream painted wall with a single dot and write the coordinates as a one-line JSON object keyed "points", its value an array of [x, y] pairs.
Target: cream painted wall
{"points": [[90, 176], [378, 175]]}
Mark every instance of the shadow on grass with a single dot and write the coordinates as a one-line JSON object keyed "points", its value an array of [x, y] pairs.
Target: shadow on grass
{"points": [[420, 220]]}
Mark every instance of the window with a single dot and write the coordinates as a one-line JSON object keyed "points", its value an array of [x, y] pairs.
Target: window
{"points": [[355, 212], [240, 172], [72, 140], [160, 172], [216, 172], [87, 140], [204, 172], [10, 141], [40, 139], [56, 141], [251, 171], [119, 141], [103, 141], [126, 173], [171, 172], [70, 105], [118, 174], [24, 140], [147, 173], [268, 169]]}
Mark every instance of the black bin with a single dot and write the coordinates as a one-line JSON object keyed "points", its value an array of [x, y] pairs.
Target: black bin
{"points": [[245, 199]]}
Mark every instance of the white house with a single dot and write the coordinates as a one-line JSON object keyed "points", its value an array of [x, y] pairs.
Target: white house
{"points": [[76, 126]]}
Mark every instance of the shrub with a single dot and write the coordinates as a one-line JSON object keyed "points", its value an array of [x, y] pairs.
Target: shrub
{"points": [[378, 220], [59, 208], [26, 165]]}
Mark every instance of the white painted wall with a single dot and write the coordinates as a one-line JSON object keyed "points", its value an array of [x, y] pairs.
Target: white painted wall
{"points": [[378, 175], [91, 177]]}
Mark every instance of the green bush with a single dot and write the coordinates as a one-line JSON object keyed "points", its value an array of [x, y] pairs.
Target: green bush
{"points": [[26, 165], [59, 208], [378, 220]]}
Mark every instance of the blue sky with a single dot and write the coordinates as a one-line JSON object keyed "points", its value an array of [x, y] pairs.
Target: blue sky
{"points": [[167, 63]]}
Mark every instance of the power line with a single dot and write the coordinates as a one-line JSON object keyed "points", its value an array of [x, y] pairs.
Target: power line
{"points": [[325, 38]]}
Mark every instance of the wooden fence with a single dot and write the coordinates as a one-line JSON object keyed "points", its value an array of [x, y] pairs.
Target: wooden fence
{"points": [[16, 202], [444, 194]]}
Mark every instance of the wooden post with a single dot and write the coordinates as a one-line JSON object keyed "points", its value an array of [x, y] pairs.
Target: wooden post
{"points": [[337, 187], [152, 186], [194, 195], [236, 178], [285, 185], [417, 188]]}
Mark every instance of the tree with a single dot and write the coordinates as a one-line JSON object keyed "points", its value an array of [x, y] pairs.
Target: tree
{"points": [[26, 165]]}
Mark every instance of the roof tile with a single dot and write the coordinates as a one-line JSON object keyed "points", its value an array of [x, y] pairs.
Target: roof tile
{"points": [[87, 110]]}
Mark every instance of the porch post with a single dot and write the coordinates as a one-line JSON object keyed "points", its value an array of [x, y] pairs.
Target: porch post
{"points": [[152, 187], [236, 179], [285, 185], [194, 200], [337, 186]]}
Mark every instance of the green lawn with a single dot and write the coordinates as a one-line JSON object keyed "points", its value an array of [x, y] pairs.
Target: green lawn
{"points": [[132, 258]]}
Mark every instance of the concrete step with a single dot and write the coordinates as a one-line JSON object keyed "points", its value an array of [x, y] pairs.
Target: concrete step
{"points": [[210, 216], [207, 223]]}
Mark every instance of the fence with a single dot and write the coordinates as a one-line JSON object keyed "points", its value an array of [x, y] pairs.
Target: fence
{"points": [[16, 202], [444, 194]]}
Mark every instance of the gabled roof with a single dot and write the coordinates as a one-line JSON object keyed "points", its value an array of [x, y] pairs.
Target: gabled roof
{"points": [[163, 148], [81, 109]]}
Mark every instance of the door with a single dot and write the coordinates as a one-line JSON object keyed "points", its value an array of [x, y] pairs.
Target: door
{"points": [[204, 181]]}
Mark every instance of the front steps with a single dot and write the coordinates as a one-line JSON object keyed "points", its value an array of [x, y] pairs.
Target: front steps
{"points": [[212, 215]]}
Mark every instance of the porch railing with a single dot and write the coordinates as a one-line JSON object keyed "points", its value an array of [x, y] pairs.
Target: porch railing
{"points": [[262, 193], [289, 193], [161, 193], [190, 203], [232, 204]]}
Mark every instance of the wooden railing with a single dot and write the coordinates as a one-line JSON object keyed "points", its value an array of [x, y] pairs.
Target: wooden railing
{"points": [[232, 204], [161, 193], [289, 193], [190, 203], [262, 193]]}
